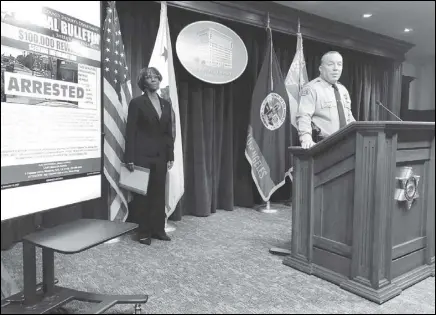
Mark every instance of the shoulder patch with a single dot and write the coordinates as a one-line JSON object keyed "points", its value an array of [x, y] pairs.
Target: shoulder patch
{"points": [[305, 91]]}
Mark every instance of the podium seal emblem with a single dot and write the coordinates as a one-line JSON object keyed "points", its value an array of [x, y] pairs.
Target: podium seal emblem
{"points": [[407, 186]]}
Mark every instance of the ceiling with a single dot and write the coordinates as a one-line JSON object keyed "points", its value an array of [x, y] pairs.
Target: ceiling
{"points": [[388, 18]]}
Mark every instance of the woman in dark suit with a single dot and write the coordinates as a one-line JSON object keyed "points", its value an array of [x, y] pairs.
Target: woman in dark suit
{"points": [[149, 143]]}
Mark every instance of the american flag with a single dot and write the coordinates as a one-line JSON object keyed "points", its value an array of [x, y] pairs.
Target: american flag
{"points": [[117, 96]]}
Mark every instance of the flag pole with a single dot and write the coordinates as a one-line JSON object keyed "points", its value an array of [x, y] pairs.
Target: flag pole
{"points": [[268, 27], [168, 226], [267, 207], [278, 250], [289, 202], [108, 10]]}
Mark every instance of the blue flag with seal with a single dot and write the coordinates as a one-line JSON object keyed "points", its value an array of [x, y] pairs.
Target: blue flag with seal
{"points": [[269, 131]]}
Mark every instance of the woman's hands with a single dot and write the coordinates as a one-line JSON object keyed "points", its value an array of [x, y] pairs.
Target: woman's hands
{"points": [[130, 167], [170, 164]]}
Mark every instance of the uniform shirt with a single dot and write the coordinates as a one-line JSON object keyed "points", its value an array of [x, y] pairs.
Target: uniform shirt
{"points": [[318, 105]]}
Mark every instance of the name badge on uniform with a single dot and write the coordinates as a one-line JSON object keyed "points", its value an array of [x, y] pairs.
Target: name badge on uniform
{"points": [[328, 104]]}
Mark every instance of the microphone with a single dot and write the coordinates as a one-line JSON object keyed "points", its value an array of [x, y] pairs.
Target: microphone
{"points": [[380, 104]]}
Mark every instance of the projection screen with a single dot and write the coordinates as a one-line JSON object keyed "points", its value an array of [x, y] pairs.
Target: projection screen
{"points": [[50, 105]]}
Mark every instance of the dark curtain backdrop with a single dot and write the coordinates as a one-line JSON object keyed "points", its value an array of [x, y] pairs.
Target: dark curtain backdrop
{"points": [[214, 118]]}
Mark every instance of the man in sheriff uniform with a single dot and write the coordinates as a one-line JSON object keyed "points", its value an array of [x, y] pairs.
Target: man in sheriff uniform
{"points": [[325, 104]]}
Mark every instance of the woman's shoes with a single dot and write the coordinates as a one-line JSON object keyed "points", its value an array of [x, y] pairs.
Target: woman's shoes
{"points": [[161, 236], [145, 240]]}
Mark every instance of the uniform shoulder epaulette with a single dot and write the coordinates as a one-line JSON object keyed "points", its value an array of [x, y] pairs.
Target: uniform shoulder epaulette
{"points": [[312, 83]]}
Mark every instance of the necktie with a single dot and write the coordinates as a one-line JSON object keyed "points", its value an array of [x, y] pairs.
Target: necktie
{"points": [[342, 121]]}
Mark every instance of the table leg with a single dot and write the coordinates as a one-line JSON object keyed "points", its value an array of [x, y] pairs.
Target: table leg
{"points": [[29, 273], [9, 286], [48, 279]]}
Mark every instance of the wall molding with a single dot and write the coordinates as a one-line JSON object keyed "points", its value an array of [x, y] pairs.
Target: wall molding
{"points": [[284, 19]]}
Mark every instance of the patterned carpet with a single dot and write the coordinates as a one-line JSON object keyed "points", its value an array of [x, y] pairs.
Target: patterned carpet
{"points": [[218, 264]]}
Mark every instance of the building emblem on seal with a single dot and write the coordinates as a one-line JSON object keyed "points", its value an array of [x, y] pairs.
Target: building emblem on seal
{"points": [[407, 186], [273, 111]]}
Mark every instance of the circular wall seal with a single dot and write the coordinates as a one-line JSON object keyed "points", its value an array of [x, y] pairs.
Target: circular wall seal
{"points": [[211, 52], [273, 111]]}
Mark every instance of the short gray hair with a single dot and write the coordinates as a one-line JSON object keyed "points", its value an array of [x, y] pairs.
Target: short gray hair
{"points": [[329, 53]]}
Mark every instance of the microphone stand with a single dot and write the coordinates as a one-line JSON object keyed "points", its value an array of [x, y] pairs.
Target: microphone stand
{"points": [[380, 104]]}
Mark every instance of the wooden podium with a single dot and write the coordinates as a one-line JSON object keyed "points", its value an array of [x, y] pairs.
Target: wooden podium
{"points": [[363, 208]]}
